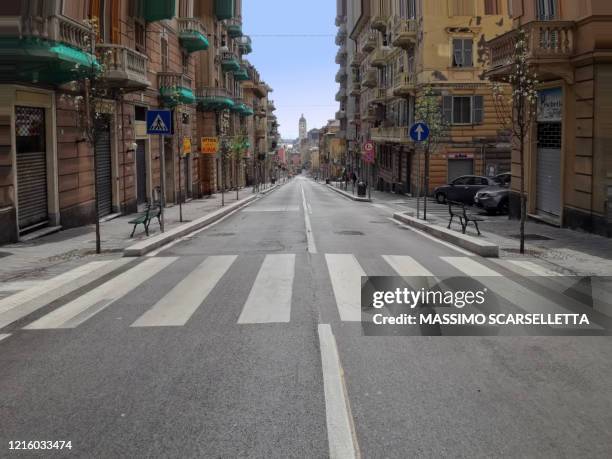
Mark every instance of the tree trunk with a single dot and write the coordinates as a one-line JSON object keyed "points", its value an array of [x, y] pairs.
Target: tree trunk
{"points": [[523, 198]]}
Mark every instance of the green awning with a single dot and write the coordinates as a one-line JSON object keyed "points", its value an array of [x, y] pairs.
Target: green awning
{"points": [[177, 95], [241, 75], [214, 103], [230, 65], [37, 60], [192, 41]]}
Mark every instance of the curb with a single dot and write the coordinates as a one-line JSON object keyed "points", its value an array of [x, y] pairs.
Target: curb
{"points": [[143, 247], [269, 190], [471, 243], [348, 195]]}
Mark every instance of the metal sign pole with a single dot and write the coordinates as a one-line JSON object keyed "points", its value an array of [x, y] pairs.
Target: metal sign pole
{"points": [[418, 183], [162, 181]]}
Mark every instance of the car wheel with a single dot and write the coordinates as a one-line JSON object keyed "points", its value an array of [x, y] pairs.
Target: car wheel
{"points": [[502, 208], [441, 198]]}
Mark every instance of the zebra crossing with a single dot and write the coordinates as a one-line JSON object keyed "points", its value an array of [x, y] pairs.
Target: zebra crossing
{"points": [[270, 296]]}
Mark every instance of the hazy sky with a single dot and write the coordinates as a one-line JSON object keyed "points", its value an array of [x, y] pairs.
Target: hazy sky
{"points": [[294, 51]]}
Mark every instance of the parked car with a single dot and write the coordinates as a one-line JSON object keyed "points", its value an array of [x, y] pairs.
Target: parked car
{"points": [[494, 199], [463, 189]]}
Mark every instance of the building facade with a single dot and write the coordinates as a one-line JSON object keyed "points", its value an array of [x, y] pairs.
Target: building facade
{"points": [[396, 51], [60, 148], [568, 164]]}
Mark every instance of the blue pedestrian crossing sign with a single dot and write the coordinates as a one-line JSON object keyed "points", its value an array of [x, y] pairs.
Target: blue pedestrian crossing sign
{"points": [[419, 132], [159, 122]]}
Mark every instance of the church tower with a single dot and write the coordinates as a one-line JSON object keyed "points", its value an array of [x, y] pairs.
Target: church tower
{"points": [[303, 128]]}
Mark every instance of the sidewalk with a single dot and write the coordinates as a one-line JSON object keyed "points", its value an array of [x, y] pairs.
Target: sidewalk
{"points": [[570, 251], [54, 254]]}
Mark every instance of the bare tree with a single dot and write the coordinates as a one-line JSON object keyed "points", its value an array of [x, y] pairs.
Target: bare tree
{"points": [[516, 99]]}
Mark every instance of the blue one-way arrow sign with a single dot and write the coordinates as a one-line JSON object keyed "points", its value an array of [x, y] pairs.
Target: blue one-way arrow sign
{"points": [[419, 132], [159, 122]]}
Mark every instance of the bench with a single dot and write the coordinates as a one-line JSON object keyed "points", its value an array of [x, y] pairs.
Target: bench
{"points": [[457, 209], [152, 211]]}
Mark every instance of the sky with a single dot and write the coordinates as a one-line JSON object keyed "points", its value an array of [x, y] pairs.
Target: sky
{"points": [[294, 52]]}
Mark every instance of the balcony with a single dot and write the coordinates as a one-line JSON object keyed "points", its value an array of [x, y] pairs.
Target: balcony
{"points": [[260, 90], [394, 134], [369, 42], [370, 79], [341, 55], [158, 10], [214, 99], [355, 90], [52, 50], [341, 95], [340, 75], [379, 22], [242, 108], [175, 88], [260, 132], [380, 56], [234, 27], [550, 47], [224, 9], [404, 33], [368, 115], [404, 84], [192, 34], [340, 115], [339, 20], [123, 67], [271, 106], [229, 62], [245, 45], [341, 34], [379, 96]]}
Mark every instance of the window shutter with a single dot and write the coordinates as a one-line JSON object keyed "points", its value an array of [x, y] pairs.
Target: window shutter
{"points": [[468, 46], [478, 110], [115, 24], [447, 109]]}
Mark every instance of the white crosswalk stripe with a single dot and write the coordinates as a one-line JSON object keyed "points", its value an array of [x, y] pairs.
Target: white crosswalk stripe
{"points": [[345, 273], [520, 296], [407, 266], [26, 302], [83, 308], [270, 298], [182, 301], [4, 336]]}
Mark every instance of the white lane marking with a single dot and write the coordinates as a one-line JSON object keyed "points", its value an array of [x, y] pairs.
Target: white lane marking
{"points": [[4, 336], [340, 428], [270, 298], [83, 308], [407, 266], [345, 273], [177, 307], [428, 236], [24, 303], [513, 291], [312, 247], [195, 233], [532, 268], [17, 286], [286, 208]]}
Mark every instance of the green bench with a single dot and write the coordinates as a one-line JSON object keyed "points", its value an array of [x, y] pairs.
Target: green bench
{"points": [[151, 212]]}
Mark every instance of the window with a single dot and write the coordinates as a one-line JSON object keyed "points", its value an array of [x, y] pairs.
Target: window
{"points": [[547, 9], [462, 52], [463, 109], [461, 8], [140, 36], [407, 9], [140, 113], [492, 7], [461, 181], [164, 54], [185, 62]]}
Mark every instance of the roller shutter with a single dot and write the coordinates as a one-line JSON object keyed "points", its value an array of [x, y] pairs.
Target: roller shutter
{"points": [[104, 169]]}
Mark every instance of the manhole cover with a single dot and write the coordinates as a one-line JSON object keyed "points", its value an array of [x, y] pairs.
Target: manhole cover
{"points": [[532, 237], [350, 233], [221, 234]]}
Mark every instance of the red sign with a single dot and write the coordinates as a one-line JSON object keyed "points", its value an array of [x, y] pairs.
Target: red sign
{"points": [[369, 152]]}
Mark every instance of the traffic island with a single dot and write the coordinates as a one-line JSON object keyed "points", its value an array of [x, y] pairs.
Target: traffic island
{"points": [[148, 245], [348, 195], [477, 245]]}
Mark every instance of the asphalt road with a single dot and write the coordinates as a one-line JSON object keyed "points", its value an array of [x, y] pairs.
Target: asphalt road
{"points": [[218, 346]]}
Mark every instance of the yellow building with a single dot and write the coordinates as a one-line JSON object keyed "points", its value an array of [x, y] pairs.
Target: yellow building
{"points": [[569, 155], [403, 47]]}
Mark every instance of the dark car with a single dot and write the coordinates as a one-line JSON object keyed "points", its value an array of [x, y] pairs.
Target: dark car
{"points": [[463, 189], [494, 199]]}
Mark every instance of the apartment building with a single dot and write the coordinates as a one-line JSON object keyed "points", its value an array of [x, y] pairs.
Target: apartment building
{"points": [[404, 48], [568, 163], [183, 55]]}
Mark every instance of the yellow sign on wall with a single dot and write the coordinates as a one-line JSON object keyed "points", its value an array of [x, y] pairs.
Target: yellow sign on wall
{"points": [[186, 145], [209, 145]]}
